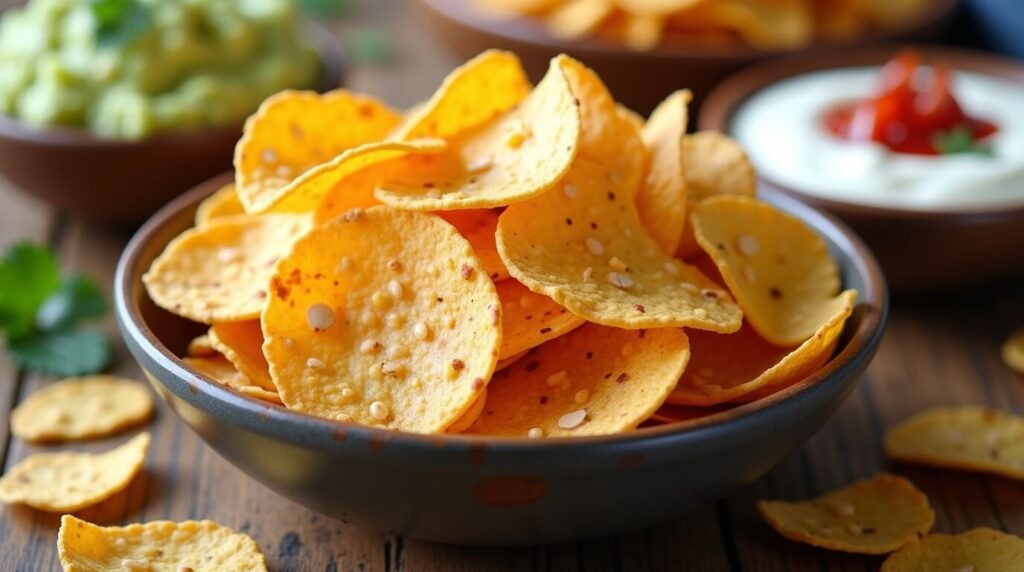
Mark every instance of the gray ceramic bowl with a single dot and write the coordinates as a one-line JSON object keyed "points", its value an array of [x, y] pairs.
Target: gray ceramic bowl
{"points": [[473, 490]]}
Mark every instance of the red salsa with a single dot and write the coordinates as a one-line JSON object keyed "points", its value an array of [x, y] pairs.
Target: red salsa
{"points": [[908, 115]]}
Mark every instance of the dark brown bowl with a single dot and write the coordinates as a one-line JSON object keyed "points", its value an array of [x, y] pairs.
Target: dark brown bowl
{"points": [[639, 80], [478, 490], [121, 182], [919, 250]]}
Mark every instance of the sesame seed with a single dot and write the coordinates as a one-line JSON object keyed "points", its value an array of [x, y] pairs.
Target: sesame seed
{"points": [[346, 392], [369, 346], [226, 255], [129, 565], [420, 331], [748, 245], [379, 411], [535, 433], [314, 363], [480, 164], [344, 264], [391, 368], [573, 419], [581, 396], [269, 156], [588, 272], [570, 190], [556, 378], [617, 264], [395, 289], [671, 268], [319, 316], [342, 417], [621, 280], [594, 246]]}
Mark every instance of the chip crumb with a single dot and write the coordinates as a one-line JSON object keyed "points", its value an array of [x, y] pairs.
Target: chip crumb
{"points": [[748, 245]]}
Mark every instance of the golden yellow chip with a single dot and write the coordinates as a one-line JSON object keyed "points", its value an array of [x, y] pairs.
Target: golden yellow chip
{"points": [[474, 93], [592, 381], [160, 546], [643, 32], [963, 438], [577, 18], [517, 155], [219, 272], [69, 481], [1013, 351], [294, 131], [661, 200], [470, 416], [224, 202], [242, 344], [608, 136], [479, 226], [777, 267], [529, 319], [222, 371], [713, 165], [307, 191], [873, 516], [382, 318], [200, 346], [744, 366], [82, 408], [583, 245], [977, 550]]}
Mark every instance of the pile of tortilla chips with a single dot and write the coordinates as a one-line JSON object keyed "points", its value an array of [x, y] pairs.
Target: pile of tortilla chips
{"points": [[504, 259], [762, 24]]}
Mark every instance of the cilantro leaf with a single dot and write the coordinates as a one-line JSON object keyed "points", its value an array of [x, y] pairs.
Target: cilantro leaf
{"points": [[118, 22], [77, 299], [28, 275], [960, 139], [63, 353]]}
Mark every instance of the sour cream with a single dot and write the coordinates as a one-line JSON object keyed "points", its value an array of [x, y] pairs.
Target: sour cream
{"points": [[781, 129]]}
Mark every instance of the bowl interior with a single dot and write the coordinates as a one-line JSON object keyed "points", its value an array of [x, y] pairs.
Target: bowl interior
{"points": [[157, 337]]}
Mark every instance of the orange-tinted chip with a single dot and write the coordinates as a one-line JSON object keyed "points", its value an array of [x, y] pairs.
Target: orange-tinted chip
{"points": [[220, 370], [592, 381], [514, 156], [224, 202], [744, 367], [779, 270], [662, 197], [479, 226], [219, 272], [977, 550], [242, 344], [294, 131], [200, 346], [470, 416], [583, 245], [529, 319], [873, 516], [384, 318]]}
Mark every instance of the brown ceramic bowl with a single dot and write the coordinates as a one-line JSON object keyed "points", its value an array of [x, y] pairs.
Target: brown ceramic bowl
{"points": [[919, 250], [121, 182], [639, 80]]}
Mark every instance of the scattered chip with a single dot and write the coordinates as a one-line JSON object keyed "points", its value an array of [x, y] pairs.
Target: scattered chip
{"points": [[713, 165], [160, 546], [479, 226], [977, 550], [386, 318], [744, 366], [200, 346], [224, 202], [242, 344], [583, 245], [473, 94], [592, 381], [873, 516], [470, 416], [222, 371], [70, 481], [777, 267], [661, 201], [529, 319], [514, 156], [962, 438], [82, 408], [1013, 351], [607, 136], [219, 272], [296, 130]]}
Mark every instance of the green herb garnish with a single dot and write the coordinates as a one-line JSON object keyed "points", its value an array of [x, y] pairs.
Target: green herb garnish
{"points": [[118, 22], [960, 139], [40, 313]]}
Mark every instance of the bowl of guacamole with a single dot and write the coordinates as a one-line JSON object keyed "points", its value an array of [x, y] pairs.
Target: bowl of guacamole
{"points": [[110, 107]]}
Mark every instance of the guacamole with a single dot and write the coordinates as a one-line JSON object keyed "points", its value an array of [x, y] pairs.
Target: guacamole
{"points": [[132, 68]]}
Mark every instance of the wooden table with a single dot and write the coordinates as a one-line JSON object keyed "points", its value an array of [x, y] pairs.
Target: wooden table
{"points": [[938, 352]]}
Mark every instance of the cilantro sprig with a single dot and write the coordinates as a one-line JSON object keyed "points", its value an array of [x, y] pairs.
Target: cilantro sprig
{"points": [[118, 22], [960, 139], [41, 311]]}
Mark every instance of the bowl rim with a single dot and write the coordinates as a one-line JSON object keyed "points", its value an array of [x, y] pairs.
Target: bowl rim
{"points": [[280, 423], [724, 100], [524, 30], [329, 51]]}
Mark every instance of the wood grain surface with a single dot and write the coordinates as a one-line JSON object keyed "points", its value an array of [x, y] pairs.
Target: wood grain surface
{"points": [[936, 352]]}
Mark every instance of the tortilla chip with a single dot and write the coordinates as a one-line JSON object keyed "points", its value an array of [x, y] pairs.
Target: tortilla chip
{"points": [[577, 18], [470, 416], [977, 550], [223, 372], [200, 346], [242, 344], [83, 408], [661, 200], [479, 226], [224, 202], [529, 319]]}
